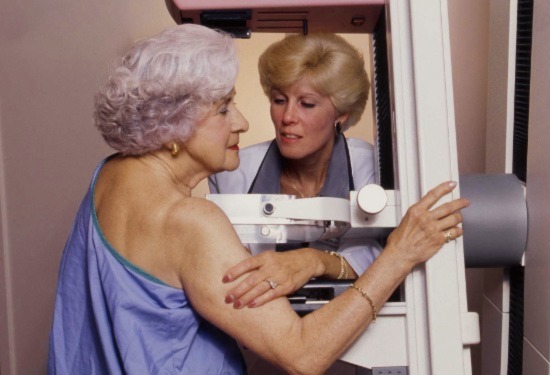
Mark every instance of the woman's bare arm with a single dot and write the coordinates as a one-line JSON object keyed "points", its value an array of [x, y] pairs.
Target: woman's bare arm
{"points": [[274, 331]]}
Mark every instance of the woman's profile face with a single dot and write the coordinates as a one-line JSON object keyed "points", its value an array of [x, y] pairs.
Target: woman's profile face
{"points": [[304, 121], [214, 145]]}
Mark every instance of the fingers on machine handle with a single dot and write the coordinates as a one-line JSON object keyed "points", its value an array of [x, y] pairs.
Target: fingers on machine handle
{"points": [[436, 194]]}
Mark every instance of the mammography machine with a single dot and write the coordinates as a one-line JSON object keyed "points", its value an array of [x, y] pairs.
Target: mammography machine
{"points": [[427, 328]]}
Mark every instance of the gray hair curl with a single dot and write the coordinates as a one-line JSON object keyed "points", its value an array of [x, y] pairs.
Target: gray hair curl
{"points": [[162, 87]]}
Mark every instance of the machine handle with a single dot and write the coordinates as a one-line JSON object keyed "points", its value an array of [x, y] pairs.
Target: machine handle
{"points": [[372, 199]]}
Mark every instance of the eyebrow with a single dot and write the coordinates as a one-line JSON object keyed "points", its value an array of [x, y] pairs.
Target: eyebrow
{"points": [[225, 100], [309, 94], [231, 94]]}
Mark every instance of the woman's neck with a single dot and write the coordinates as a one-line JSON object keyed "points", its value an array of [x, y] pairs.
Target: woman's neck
{"points": [[305, 177], [163, 165]]}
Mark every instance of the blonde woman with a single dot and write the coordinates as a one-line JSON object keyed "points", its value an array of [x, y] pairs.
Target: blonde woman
{"points": [[317, 87]]}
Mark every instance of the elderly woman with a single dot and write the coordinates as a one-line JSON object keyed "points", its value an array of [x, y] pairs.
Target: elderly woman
{"points": [[140, 286], [317, 87]]}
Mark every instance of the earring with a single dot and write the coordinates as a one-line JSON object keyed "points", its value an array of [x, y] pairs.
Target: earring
{"points": [[175, 149], [337, 127]]}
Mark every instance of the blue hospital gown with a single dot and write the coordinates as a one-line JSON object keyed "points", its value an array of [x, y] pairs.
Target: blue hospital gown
{"points": [[113, 318]]}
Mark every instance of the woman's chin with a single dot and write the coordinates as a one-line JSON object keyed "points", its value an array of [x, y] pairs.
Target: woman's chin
{"points": [[231, 165]]}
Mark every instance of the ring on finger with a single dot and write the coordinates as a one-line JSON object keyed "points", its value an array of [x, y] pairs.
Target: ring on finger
{"points": [[272, 284], [448, 236]]}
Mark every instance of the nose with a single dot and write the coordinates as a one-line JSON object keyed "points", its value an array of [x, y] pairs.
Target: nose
{"points": [[240, 123], [289, 114]]}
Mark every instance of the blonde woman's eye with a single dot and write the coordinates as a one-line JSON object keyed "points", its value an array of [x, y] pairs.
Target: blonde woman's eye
{"points": [[308, 105], [278, 101]]}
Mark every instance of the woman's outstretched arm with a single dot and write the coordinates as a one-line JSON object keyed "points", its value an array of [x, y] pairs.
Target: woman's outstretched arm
{"points": [[274, 331]]}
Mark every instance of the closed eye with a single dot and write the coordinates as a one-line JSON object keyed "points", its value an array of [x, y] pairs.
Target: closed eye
{"points": [[224, 109], [308, 105]]}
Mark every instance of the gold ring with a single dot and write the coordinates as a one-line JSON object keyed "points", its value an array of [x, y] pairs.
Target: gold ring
{"points": [[272, 284], [448, 236]]}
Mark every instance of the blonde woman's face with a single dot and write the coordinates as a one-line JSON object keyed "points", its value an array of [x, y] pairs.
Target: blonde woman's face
{"points": [[304, 121]]}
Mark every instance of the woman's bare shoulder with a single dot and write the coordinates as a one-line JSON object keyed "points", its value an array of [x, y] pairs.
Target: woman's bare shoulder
{"points": [[199, 221], [196, 211]]}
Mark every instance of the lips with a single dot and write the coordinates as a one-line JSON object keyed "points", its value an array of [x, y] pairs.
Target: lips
{"points": [[289, 138], [234, 148]]}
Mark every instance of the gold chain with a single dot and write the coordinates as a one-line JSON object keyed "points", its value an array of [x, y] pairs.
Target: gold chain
{"points": [[292, 183]]}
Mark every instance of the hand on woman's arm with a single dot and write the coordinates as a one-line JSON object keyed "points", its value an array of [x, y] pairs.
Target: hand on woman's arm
{"points": [[290, 270]]}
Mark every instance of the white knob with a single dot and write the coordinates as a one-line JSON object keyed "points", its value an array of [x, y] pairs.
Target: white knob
{"points": [[372, 198]]}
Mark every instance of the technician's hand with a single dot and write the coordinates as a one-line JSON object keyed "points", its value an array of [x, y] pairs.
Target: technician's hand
{"points": [[272, 274], [424, 230]]}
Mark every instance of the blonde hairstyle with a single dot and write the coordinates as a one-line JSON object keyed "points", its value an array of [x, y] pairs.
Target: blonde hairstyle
{"points": [[162, 87], [326, 61]]}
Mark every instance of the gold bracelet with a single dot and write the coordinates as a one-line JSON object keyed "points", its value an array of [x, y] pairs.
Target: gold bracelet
{"points": [[364, 294], [343, 267]]}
